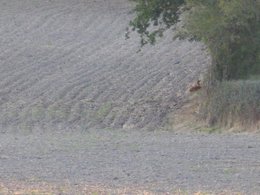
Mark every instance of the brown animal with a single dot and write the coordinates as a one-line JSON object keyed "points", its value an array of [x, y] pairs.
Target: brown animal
{"points": [[195, 87]]}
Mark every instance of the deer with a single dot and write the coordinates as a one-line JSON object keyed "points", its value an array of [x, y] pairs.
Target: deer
{"points": [[195, 87]]}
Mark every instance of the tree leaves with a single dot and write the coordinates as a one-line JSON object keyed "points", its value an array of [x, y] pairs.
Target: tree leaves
{"points": [[230, 29], [161, 14]]}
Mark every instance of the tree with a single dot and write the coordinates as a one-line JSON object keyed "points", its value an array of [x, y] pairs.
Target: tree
{"points": [[229, 28]]}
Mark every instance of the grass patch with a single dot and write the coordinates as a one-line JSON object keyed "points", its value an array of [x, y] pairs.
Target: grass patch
{"points": [[233, 104], [230, 105], [103, 110], [254, 77]]}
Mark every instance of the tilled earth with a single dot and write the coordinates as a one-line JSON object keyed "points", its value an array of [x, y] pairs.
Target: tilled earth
{"points": [[160, 161], [67, 62], [69, 79]]}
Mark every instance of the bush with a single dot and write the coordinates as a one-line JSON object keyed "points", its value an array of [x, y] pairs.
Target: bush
{"points": [[233, 103]]}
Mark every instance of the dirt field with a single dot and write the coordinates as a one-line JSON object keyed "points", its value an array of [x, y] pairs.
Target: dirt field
{"points": [[72, 87], [157, 161], [68, 62]]}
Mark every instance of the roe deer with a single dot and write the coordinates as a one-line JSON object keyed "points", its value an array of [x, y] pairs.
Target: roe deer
{"points": [[195, 87]]}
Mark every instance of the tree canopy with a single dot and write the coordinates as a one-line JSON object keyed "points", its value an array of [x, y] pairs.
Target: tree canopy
{"points": [[229, 28]]}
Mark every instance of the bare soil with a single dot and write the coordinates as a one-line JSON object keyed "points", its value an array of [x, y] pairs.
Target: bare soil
{"points": [[159, 161], [72, 87], [67, 63]]}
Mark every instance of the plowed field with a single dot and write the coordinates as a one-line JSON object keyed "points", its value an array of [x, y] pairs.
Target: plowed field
{"points": [[71, 86], [67, 63]]}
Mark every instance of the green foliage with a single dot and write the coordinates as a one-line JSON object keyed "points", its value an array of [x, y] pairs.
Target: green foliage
{"points": [[232, 103], [229, 28], [161, 14]]}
